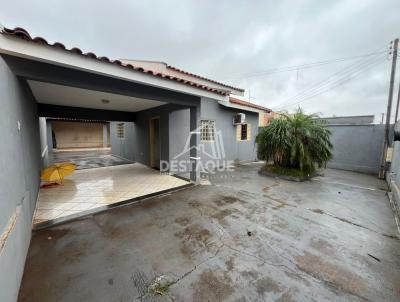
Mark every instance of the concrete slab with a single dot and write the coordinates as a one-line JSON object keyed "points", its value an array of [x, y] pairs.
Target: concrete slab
{"points": [[245, 237]]}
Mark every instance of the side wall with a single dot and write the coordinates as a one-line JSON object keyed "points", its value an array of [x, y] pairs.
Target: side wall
{"points": [[357, 147], [393, 178], [123, 147], [44, 150], [49, 130], [20, 163], [179, 125], [174, 133], [136, 144], [234, 150]]}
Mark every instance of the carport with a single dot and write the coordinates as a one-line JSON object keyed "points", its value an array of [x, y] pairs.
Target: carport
{"points": [[69, 84], [65, 92]]}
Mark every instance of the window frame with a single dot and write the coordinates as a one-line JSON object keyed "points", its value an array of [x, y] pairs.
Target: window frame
{"points": [[239, 132], [120, 130], [242, 128], [207, 133]]}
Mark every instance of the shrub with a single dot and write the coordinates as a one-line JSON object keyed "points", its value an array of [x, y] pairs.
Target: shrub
{"points": [[297, 141]]}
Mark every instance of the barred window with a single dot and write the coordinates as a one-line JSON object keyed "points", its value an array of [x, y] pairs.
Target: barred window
{"points": [[243, 134], [121, 130], [207, 130]]}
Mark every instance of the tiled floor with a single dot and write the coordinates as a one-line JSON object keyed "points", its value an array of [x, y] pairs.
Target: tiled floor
{"points": [[87, 159], [91, 188]]}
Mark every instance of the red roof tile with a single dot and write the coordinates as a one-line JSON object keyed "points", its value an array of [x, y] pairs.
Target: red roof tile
{"points": [[203, 78], [248, 104], [23, 34]]}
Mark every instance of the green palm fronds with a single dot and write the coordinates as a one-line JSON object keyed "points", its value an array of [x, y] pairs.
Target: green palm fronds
{"points": [[296, 141]]}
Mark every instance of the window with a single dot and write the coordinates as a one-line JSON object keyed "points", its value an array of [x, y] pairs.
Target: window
{"points": [[243, 132], [207, 131], [121, 130]]}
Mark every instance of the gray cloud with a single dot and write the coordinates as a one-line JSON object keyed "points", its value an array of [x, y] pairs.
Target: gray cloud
{"points": [[225, 39]]}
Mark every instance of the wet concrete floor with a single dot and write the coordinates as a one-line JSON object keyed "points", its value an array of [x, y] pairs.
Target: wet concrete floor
{"points": [[245, 237], [88, 159]]}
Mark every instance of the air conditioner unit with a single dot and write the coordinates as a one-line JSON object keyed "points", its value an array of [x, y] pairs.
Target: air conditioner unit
{"points": [[239, 118]]}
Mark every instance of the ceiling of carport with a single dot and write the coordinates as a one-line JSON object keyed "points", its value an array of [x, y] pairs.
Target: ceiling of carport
{"points": [[48, 93]]}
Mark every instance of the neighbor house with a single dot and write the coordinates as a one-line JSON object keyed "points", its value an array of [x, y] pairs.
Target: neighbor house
{"points": [[157, 113]]}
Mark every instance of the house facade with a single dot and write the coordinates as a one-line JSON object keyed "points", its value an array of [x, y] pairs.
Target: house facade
{"points": [[221, 139], [156, 116]]}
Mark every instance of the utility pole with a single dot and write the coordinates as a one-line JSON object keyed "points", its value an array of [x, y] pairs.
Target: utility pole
{"points": [[382, 169]]}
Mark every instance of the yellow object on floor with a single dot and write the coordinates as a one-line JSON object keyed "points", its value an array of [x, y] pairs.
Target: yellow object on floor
{"points": [[88, 189], [57, 172]]}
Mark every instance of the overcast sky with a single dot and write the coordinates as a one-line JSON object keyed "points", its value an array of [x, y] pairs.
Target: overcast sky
{"points": [[239, 42]]}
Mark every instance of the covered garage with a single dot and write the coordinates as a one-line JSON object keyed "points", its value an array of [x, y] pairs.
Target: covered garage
{"points": [[80, 134]]}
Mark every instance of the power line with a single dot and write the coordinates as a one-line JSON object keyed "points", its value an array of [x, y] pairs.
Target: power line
{"points": [[301, 66], [330, 86], [339, 82], [332, 78], [307, 98]]}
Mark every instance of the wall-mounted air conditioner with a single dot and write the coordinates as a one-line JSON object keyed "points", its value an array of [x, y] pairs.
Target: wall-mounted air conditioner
{"points": [[239, 118]]}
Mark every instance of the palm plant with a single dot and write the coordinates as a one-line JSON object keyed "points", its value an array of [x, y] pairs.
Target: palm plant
{"points": [[297, 141]]}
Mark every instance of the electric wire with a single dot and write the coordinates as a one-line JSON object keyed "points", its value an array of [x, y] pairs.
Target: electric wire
{"points": [[327, 81], [301, 66], [335, 84]]}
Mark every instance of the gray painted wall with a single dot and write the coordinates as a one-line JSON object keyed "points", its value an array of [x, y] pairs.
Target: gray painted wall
{"points": [[348, 120], [49, 136], [395, 165], [393, 178], [234, 150], [44, 152], [357, 147], [136, 146], [105, 135], [211, 110], [179, 125], [123, 147], [19, 181], [175, 128]]}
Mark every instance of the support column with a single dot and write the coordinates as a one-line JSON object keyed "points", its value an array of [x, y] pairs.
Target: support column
{"points": [[49, 131], [105, 136], [194, 143]]}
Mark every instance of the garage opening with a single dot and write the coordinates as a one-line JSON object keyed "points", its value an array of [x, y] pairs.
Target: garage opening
{"points": [[117, 161], [75, 134], [85, 143]]}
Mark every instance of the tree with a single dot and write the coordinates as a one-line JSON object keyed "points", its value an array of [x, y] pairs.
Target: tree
{"points": [[297, 141]]}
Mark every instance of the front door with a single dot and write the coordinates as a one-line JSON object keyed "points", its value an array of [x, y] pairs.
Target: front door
{"points": [[155, 143]]}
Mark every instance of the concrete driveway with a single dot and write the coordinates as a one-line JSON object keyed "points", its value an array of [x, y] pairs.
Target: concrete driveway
{"points": [[244, 238]]}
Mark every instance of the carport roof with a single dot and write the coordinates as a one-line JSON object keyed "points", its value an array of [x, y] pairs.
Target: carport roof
{"points": [[24, 34]]}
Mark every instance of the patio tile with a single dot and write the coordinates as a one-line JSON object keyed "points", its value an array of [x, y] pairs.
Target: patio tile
{"points": [[91, 188], [82, 206]]}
